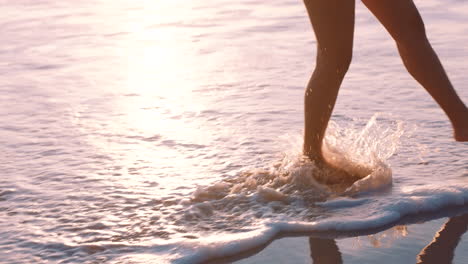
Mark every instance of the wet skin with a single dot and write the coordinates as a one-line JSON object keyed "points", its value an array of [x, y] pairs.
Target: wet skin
{"points": [[333, 24]]}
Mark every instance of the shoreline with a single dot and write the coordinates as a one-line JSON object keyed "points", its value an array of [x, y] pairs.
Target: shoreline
{"points": [[397, 241]]}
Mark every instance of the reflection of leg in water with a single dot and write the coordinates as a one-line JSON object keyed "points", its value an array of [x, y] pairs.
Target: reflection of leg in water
{"points": [[441, 249], [324, 251]]}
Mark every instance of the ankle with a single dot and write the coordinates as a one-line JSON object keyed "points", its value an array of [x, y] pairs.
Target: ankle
{"points": [[460, 119], [314, 156]]}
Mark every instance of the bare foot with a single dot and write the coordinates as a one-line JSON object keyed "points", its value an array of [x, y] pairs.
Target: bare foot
{"points": [[461, 134], [460, 127], [332, 176]]}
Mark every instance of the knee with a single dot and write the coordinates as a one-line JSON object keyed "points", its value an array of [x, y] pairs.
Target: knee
{"points": [[412, 36], [335, 61]]}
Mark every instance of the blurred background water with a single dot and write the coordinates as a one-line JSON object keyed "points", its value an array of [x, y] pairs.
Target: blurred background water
{"points": [[114, 112]]}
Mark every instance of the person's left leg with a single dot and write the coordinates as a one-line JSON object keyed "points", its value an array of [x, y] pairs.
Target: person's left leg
{"points": [[404, 23]]}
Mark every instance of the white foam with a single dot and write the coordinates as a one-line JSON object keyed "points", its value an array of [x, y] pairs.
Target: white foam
{"points": [[286, 197], [368, 214], [380, 177], [342, 202]]}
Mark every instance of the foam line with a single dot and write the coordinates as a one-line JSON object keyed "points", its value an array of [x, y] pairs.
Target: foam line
{"points": [[420, 200]]}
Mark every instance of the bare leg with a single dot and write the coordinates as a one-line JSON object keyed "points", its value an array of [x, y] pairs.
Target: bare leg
{"points": [[404, 23], [333, 24]]}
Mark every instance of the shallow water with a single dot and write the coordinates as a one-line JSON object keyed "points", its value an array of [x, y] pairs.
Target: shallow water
{"points": [[127, 127], [400, 244]]}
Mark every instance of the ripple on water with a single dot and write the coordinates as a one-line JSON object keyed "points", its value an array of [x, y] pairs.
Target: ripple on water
{"points": [[290, 188], [104, 142]]}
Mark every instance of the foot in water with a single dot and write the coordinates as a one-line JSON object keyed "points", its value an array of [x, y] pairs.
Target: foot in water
{"points": [[461, 136], [461, 133], [460, 127], [333, 176]]}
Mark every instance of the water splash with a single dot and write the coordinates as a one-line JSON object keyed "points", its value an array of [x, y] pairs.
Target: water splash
{"points": [[365, 151], [292, 188]]}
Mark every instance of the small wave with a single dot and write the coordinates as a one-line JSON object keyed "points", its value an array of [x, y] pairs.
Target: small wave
{"points": [[294, 188], [251, 208], [291, 194], [424, 200]]}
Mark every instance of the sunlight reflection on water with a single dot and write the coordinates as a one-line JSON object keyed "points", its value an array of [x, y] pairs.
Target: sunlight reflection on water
{"points": [[114, 112]]}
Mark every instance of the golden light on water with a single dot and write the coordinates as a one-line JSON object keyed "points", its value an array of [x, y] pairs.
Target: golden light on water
{"points": [[155, 68], [145, 131]]}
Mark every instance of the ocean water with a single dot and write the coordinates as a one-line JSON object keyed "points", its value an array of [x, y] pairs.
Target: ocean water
{"points": [[170, 131]]}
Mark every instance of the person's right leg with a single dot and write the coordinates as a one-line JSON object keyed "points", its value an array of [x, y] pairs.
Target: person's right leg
{"points": [[404, 23], [333, 24]]}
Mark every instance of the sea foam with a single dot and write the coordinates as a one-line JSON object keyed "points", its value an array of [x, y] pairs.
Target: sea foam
{"points": [[250, 209]]}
